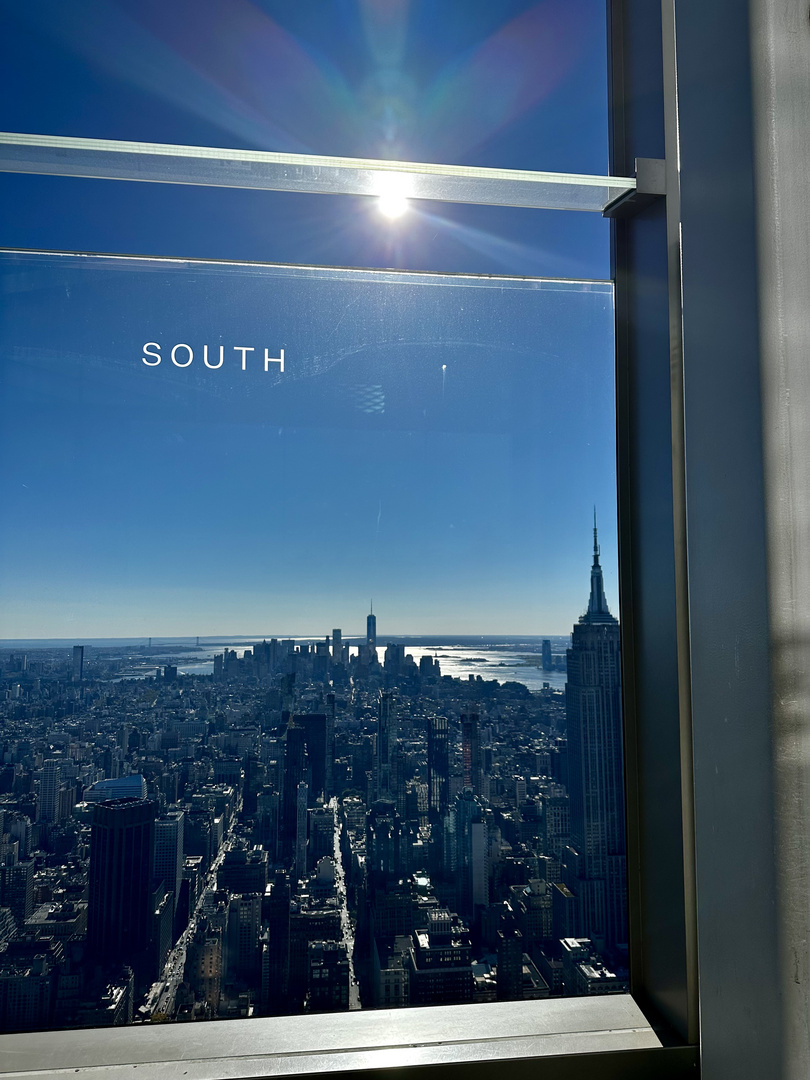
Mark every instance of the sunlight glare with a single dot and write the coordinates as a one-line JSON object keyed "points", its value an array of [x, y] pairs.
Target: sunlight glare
{"points": [[392, 195]]}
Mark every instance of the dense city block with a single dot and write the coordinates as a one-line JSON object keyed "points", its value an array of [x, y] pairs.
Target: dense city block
{"points": [[312, 826]]}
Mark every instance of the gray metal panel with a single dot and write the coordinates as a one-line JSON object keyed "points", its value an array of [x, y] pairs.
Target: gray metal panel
{"points": [[780, 43], [163, 163], [302, 1045], [728, 596], [657, 890]]}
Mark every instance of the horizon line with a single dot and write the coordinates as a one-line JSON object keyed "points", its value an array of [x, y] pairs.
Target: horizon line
{"points": [[346, 635]]}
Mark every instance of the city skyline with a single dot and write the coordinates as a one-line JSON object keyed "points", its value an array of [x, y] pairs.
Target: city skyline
{"points": [[310, 827]]}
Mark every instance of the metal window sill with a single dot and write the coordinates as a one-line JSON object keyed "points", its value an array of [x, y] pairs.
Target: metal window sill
{"points": [[442, 1037]]}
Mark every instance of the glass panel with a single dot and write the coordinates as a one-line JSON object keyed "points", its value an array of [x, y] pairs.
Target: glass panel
{"points": [[392, 181], [214, 802]]}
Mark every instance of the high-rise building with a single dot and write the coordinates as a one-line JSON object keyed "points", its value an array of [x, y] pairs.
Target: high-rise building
{"points": [[300, 849], [49, 786], [337, 646], [78, 663], [203, 970], [384, 763], [296, 771], [547, 661], [276, 951], [386, 859], [328, 976], [319, 737], [438, 766], [119, 917], [471, 753], [595, 861], [440, 961], [466, 842], [244, 925], [321, 835], [169, 852], [510, 964], [17, 889], [371, 629], [268, 808]]}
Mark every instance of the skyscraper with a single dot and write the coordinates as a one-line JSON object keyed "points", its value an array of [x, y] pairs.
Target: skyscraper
{"points": [[319, 738], [78, 663], [547, 661], [438, 766], [49, 786], [595, 861], [384, 764], [466, 842], [122, 847], [371, 629], [471, 753], [300, 849], [296, 771], [169, 852]]}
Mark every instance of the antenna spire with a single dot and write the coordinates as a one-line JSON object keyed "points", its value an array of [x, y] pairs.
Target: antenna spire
{"points": [[595, 540], [598, 610]]}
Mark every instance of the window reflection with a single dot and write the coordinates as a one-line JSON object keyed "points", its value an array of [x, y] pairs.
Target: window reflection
{"points": [[279, 815]]}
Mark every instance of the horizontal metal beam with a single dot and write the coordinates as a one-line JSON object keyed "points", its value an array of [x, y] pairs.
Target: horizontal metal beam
{"points": [[163, 163], [367, 1041]]}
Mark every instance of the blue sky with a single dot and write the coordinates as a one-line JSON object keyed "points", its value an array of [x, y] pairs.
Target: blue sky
{"points": [[435, 444]]}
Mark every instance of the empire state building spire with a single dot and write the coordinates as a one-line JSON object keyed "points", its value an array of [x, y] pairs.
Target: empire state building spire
{"points": [[598, 610]]}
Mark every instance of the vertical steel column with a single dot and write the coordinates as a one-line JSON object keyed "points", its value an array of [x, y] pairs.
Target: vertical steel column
{"points": [[651, 549]]}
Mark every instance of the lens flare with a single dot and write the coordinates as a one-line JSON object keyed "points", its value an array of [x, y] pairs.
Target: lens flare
{"points": [[392, 194], [392, 206]]}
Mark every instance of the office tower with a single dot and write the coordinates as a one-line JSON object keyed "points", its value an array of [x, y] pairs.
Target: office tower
{"points": [[337, 646], [49, 786], [244, 925], [329, 780], [386, 855], [319, 738], [296, 771], [276, 953], [78, 663], [438, 766], [547, 662], [466, 840], [119, 917], [169, 852], [17, 888], [268, 805], [328, 976], [203, 969], [321, 835], [385, 755], [300, 849], [320, 661], [510, 964], [440, 961], [394, 661], [243, 871], [595, 859], [371, 629], [471, 753]]}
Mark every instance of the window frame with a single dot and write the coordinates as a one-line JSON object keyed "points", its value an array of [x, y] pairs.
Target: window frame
{"points": [[701, 807]]}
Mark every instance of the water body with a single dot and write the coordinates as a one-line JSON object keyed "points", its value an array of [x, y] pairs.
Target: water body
{"points": [[507, 659]]}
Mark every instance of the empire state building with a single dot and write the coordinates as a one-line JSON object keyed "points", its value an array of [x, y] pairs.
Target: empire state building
{"points": [[595, 861]]}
